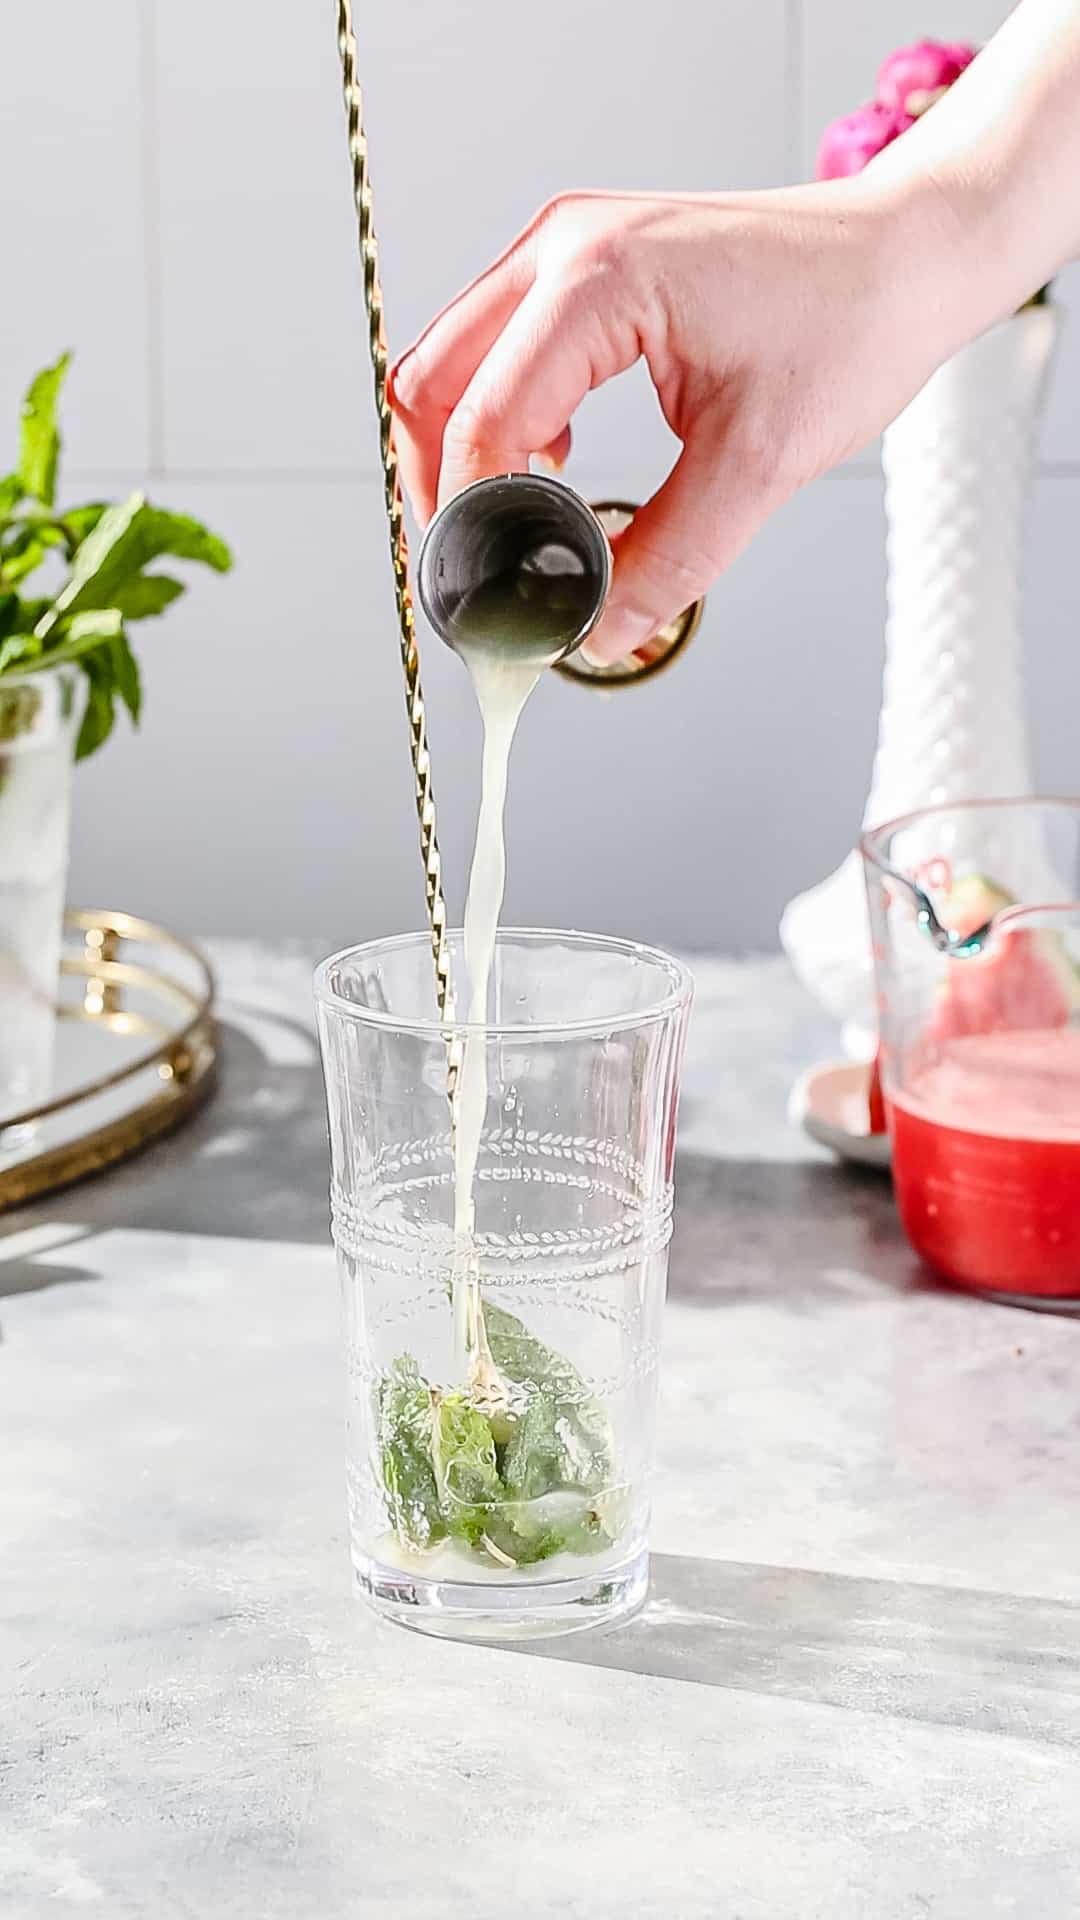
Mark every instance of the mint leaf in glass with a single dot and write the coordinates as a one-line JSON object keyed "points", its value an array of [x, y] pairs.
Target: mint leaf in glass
{"points": [[405, 1414], [532, 1457], [517, 1486], [562, 1521], [466, 1473], [571, 1429]]}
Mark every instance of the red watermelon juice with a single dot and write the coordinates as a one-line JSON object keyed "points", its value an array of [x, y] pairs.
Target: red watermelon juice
{"points": [[986, 1159]]}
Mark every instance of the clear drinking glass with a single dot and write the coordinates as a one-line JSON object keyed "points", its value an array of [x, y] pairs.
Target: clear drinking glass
{"points": [[976, 917], [503, 1491], [39, 719]]}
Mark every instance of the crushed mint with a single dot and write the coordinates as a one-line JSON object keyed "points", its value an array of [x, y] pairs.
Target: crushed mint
{"points": [[516, 1486]]}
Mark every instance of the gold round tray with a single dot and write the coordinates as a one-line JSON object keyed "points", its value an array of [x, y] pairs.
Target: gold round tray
{"points": [[135, 1054]]}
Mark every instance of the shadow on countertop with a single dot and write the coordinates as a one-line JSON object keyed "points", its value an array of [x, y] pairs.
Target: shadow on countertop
{"points": [[809, 1230], [985, 1662], [32, 1275]]}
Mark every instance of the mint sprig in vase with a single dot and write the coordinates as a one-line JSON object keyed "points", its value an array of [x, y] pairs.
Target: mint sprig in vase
{"points": [[73, 580]]}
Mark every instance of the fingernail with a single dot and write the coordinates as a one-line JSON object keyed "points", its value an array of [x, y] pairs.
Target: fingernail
{"points": [[548, 462], [398, 380], [621, 631]]}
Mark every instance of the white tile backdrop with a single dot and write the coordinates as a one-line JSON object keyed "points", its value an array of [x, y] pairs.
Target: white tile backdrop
{"points": [[176, 207]]}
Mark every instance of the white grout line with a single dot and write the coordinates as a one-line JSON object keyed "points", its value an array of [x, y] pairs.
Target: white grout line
{"points": [[233, 476], [859, 468], [151, 228]]}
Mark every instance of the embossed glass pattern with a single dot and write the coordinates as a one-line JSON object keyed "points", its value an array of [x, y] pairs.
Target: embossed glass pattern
{"points": [[573, 1217]]}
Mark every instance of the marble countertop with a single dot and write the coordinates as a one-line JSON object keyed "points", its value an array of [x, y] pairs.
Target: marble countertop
{"points": [[855, 1692]]}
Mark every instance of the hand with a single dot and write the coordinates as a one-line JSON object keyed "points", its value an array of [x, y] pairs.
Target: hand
{"points": [[782, 331]]}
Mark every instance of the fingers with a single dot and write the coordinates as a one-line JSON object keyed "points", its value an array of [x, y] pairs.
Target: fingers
{"points": [[496, 377], [560, 343], [557, 452], [520, 397], [428, 381], [419, 440], [679, 543]]}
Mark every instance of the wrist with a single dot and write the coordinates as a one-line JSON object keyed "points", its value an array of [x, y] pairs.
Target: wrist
{"points": [[953, 244]]}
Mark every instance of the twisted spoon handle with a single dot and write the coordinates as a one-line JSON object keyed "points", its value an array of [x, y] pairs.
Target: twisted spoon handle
{"points": [[399, 551]]}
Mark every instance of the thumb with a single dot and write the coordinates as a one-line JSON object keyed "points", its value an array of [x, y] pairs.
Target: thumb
{"points": [[676, 546]]}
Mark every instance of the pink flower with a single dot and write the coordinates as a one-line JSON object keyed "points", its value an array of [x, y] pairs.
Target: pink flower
{"points": [[914, 77], [848, 144]]}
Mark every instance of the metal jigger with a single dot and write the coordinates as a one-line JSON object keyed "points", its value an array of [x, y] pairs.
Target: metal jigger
{"points": [[657, 653], [520, 559], [524, 561]]}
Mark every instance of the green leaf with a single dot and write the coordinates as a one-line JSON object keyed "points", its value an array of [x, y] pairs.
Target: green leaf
{"points": [[531, 1462], [20, 646], [99, 563], [184, 538], [11, 493], [98, 714], [562, 1521], [26, 527], [82, 633], [24, 550], [556, 1459], [147, 594], [25, 562], [463, 1455], [404, 1417], [77, 522], [518, 1487], [39, 439], [18, 650], [125, 539], [585, 1448], [97, 624], [126, 676], [28, 613], [79, 635]]}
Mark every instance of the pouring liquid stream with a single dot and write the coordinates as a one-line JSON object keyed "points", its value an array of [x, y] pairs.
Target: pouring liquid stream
{"points": [[502, 689], [509, 640]]}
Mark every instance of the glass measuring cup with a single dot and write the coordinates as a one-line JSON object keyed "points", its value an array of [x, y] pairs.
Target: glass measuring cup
{"points": [[523, 1511], [975, 912]]}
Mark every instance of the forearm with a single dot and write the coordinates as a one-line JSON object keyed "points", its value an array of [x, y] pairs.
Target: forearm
{"points": [[1000, 155]]}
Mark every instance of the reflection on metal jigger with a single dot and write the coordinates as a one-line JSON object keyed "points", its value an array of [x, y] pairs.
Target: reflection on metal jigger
{"points": [[657, 653]]}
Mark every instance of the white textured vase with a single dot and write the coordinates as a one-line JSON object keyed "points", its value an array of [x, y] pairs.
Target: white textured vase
{"points": [[953, 722]]}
